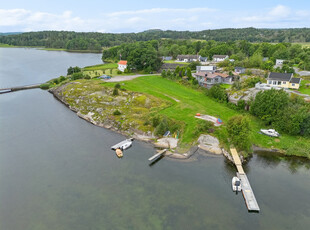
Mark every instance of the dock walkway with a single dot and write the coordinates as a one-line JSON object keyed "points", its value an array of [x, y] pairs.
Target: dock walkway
{"points": [[247, 191]]}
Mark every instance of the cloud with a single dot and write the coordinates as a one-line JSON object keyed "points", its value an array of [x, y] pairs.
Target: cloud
{"points": [[193, 19], [27, 20], [279, 16]]}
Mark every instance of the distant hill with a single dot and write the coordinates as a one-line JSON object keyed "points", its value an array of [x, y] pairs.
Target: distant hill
{"points": [[94, 41], [10, 33]]}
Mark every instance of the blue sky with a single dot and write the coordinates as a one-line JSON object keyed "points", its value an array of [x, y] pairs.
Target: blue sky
{"points": [[136, 15]]}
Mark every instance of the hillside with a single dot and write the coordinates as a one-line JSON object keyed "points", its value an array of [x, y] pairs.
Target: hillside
{"points": [[94, 41]]}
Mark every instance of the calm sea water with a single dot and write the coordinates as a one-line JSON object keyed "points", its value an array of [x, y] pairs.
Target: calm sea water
{"points": [[57, 171]]}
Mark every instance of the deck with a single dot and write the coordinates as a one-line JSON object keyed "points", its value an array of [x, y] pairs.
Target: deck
{"points": [[247, 191]]}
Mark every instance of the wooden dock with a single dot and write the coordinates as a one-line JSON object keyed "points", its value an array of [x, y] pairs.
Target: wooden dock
{"points": [[157, 155], [247, 191]]}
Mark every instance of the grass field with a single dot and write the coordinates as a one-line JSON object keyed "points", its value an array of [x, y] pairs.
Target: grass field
{"points": [[176, 62], [303, 88], [101, 66], [192, 101]]}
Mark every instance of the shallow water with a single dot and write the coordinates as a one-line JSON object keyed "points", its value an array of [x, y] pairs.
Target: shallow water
{"points": [[57, 172]]}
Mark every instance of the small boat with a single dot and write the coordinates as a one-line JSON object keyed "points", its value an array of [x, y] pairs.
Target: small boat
{"points": [[270, 132], [236, 184], [119, 153], [123, 144]]}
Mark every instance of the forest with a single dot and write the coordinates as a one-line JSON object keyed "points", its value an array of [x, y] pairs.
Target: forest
{"points": [[95, 41], [245, 54]]}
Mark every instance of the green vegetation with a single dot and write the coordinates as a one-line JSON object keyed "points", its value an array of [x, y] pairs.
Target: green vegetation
{"points": [[101, 67], [238, 128], [190, 101], [304, 88], [94, 41]]}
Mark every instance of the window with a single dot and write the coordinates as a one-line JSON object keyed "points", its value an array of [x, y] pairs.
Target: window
{"points": [[279, 82], [293, 84], [283, 82], [269, 82]]}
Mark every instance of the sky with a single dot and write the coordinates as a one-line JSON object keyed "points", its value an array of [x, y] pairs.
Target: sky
{"points": [[123, 16]]}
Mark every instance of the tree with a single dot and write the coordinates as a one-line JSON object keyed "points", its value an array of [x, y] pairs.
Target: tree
{"points": [[238, 128], [269, 104], [218, 93]]}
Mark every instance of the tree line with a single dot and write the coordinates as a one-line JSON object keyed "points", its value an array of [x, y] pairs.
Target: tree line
{"points": [[84, 41], [244, 53]]}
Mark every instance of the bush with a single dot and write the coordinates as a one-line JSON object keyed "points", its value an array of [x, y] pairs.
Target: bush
{"points": [[119, 72], [62, 78], [56, 81], [238, 128], [115, 92], [117, 112], [45, 86], [72, 70], [117, 86], [77, 76], [87, 77], [203, 127], [218, 93]]}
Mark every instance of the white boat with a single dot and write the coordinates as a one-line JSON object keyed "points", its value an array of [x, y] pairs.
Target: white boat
{"points": [[270, 132], [236, 184], [123, 145]]}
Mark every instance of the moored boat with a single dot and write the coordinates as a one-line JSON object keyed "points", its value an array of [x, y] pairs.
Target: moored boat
{"points": [[236, 184]]}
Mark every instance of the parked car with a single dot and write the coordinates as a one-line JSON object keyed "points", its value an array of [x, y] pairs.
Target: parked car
{"points": [[105, 77]]}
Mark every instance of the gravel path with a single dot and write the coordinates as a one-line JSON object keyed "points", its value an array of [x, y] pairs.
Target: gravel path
{"points": [[127, 77]]}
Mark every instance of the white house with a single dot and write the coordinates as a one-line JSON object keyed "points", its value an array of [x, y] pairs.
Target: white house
{"points": [[210, 69], [219, 58], [279, 62], [188, 58], [122, 65]]}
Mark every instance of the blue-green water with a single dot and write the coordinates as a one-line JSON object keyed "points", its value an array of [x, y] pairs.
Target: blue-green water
{"points": [[57, 172]]}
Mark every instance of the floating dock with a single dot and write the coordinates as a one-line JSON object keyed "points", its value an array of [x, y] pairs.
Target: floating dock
{"points": [[247, 191], [157, 155]]}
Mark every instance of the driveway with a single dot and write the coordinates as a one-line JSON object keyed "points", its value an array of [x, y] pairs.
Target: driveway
{"points": [[127, 77]]}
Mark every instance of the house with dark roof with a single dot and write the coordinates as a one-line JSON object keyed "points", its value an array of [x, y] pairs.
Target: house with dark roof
{"points": [[283, 80], [208, 79], [188, 58], [219, 58]]}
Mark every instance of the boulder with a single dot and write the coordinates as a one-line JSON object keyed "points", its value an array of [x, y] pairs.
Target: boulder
{"points": [[167, 142], [210, 144]]}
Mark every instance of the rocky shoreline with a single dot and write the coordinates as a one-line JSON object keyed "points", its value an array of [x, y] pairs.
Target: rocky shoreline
{"points": [[206, 143]]}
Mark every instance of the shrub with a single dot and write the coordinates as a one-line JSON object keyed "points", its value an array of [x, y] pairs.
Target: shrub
{"points": [[203, 127], [76, 76], [117, 112], [45, 86], [62, 78], [72, 70], [117, 86], [238, 128], [87, 77], [115, 92], [56, 81], [218, 93]]}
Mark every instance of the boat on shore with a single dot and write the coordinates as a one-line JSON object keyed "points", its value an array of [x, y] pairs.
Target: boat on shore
{"points": [[236, 184], [270, 132]]}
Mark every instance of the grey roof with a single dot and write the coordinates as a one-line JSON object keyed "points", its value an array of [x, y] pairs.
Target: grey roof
{"points": [[280, 76], [295, 80], [220, 56], [188, 56]]}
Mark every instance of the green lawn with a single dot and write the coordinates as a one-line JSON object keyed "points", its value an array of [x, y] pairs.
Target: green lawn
{"points": [[193, 101], [303, 88], [176, 62], [101, 66]]}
